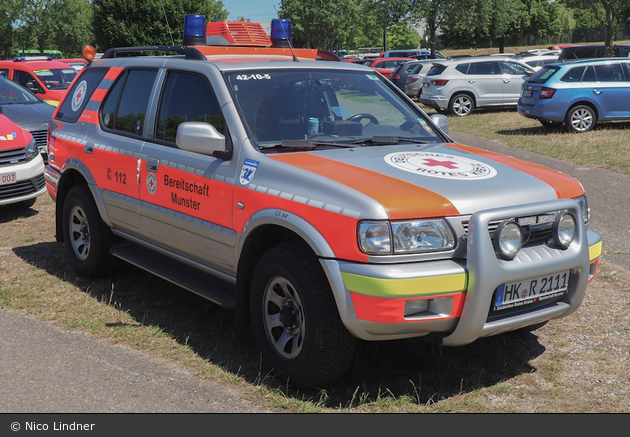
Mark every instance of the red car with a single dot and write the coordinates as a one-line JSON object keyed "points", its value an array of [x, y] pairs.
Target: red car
{"points": [[386, 66], [48, 79]]}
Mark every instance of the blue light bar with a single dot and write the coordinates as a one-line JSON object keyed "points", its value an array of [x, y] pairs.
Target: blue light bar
{"points": [[280, 32], [194, 30]]}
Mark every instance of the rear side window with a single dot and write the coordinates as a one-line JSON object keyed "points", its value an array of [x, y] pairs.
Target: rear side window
{"points": [[126, 105], [589, 75], [462, 68], [573, 75], [543, 75], [484, 68], [80, 93]]}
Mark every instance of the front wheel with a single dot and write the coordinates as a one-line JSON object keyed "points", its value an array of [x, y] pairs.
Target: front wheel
{"points": [[295, 320], [87, 238], [461, 105], [580, 119]]}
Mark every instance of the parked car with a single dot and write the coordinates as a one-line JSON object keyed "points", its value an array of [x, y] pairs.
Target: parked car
{"points": [[413, 86], [76, 63], [26, 110], [400, 73], [459, 86], [592, 51], [21, 167], [385, 66], [47, 78], [537, 61], [405, 53], [578, 93]]}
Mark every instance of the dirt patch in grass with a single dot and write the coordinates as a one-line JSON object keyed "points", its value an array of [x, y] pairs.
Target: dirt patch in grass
{"points": [[576, 364]]}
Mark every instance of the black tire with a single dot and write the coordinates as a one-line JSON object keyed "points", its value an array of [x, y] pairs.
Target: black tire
{"points": [[87, 238], [580, 118], [461, 105], [295, 320]]}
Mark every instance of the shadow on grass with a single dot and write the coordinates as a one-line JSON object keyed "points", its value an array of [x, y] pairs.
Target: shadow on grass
{"points": [[9, 213], [393, 369]]}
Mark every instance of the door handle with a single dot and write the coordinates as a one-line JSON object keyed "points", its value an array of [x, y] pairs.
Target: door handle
{"points": [[152, 164], [597, 91], [472, 81]]}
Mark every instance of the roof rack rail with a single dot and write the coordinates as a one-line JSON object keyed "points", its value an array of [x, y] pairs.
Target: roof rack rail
{"points": [[188, 52]]}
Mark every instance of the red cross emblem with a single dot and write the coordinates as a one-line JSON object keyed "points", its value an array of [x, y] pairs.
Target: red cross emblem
{"points": [[435, 163]]}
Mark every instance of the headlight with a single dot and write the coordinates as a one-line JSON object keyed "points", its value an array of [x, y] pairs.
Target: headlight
{"points": [[508, 239], [415, 236], [31, 151], [584, 209], [563, 230]]}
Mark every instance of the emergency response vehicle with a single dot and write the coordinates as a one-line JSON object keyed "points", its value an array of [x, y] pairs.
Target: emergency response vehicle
{"points": [[47, 78], [312, 197], [21, 166]]}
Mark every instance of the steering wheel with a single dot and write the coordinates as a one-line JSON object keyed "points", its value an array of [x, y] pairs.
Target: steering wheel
{"points": [[361, 116]]}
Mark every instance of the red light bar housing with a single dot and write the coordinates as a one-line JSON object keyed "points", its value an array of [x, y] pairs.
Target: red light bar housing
{"points": [[221, 33]]}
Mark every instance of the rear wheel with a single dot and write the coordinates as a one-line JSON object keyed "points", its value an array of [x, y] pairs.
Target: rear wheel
{"points": [[461, 105], [87, 238], [295, 320], [581, 118]]}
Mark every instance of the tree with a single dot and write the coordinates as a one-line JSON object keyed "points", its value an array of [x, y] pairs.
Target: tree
{"points": [[604, 13], [403, 37], [8, 13], [433, 13], [126, 23], [390, 13], [323, 24]]}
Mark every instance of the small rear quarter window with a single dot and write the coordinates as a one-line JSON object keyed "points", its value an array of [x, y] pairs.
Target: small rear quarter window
{"points": [[80, 93]]}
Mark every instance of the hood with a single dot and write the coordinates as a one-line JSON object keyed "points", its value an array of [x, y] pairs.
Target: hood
{"points": [[436, 180], [12, 136], [30, 116]]}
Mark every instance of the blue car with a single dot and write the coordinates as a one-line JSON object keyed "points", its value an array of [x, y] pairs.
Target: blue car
{"points": [[578, 93]]}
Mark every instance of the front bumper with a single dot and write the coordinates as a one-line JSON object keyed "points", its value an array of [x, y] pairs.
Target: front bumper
{"points": [[372, 297], [29, 182]]}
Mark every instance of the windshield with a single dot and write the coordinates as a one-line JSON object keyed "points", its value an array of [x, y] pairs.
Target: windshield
{"points": [[56, 78], [11, 93], [324, 106]]}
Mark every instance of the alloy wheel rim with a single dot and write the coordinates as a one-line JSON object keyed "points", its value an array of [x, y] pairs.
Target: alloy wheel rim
{"points": [[283, 318], [79, 233]]}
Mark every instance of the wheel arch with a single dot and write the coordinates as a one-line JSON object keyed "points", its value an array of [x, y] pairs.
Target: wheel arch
{"points": [[264, 230], [76, 173], [588, 103]]}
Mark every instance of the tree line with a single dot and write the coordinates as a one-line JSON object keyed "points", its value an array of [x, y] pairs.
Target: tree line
{"points": [[68, 25]]}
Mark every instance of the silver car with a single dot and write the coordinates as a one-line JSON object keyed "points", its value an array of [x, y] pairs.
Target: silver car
{"points": [[459, 86], [413, 84]]}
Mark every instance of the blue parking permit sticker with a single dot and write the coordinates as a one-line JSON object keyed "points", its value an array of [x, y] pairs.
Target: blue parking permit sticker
{"points": [[248, 171]]}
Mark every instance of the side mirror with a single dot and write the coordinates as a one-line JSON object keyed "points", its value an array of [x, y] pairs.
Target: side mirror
{"points": [[441, 121], [199, 137]]}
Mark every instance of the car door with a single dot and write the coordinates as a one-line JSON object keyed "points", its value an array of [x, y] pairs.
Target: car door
{"points": [[484, 79], [612, 90], [512, 77], [186, 197]]}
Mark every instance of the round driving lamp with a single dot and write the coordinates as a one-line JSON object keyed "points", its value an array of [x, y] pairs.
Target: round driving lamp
{"points": [[563, 230], [508, 239]]}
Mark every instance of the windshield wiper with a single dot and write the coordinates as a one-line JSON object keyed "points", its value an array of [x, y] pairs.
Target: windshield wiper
{"points": [[305, 144], [389, 140]]}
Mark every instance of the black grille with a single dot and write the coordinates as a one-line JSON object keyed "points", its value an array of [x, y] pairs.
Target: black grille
{"points": [[22, 188], [536, 229], [12, 156], [40, 136]]}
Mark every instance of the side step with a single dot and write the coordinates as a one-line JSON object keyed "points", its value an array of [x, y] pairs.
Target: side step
{"points": [[203, 284]]}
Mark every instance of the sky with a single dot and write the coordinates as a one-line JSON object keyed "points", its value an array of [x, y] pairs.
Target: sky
{"points": [[256, 10]]}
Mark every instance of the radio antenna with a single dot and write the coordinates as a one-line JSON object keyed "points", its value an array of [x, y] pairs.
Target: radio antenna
{"points": [[285, 35], [167, 25]]}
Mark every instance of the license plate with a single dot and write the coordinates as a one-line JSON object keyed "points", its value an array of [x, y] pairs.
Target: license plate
{"points": [[8, 178], [527, 93], [530, 291]]}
